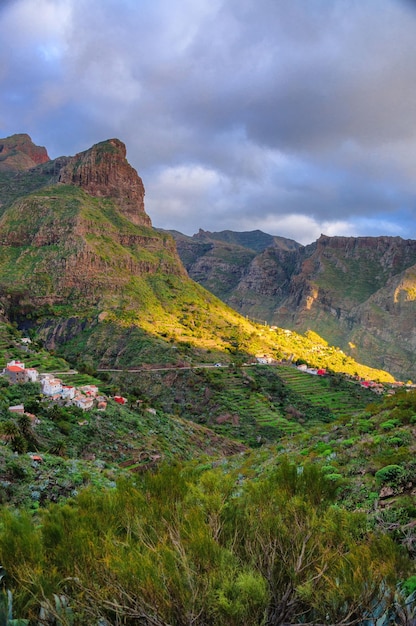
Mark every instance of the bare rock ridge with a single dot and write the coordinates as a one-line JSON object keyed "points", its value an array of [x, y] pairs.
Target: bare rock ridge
{"points": [[18, 153], [103, 171]]}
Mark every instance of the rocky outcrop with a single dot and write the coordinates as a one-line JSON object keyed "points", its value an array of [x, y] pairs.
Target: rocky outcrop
{"points": [[75, 234], [103, 171], [18, 153], [238, 267]]}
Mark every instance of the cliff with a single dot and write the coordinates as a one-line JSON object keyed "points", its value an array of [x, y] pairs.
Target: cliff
{"points": [[77, 249], [81, 265], [74, 232], [103, 171], [358, 293]]}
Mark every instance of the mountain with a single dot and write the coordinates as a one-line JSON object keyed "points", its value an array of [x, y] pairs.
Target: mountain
{"points": [[18, 152], [357, 292], [219, 261], [84, 240], [211, 472], [254, 240], [81, 266]]}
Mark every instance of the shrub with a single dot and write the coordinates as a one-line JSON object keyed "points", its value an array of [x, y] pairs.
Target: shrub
{"points": [[389, 424], [409, 585], [365, 426], [390, 474], [401, 439]]}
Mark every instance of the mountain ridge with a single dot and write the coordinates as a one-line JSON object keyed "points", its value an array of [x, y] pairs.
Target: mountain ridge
{"points": [[18, 152], [81, 264], [356, 292]]}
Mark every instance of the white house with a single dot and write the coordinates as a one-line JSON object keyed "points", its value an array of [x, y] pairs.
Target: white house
{"points": [[51, 386], [18, 363], [32, 374], [67, 392], [84, 403], [17, 408], [264, 360]]}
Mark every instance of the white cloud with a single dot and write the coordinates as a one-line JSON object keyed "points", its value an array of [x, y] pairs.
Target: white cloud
{"points": [[43, 22], [178, 195]]}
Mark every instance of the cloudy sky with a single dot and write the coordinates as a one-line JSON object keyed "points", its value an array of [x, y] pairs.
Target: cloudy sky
{"points": [[297, 117]]}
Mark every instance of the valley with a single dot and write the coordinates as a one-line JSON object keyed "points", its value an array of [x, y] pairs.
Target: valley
{"points": [[357, 293], [253, 473]]}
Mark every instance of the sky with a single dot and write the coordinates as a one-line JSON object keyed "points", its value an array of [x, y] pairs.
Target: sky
{"points": [[295, 117]]}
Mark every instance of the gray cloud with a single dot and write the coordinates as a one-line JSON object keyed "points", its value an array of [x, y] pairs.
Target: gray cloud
{"points": [[237, 113]]}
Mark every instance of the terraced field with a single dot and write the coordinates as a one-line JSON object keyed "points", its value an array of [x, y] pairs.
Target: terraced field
{"points": [[342, 400], [259, 409]]}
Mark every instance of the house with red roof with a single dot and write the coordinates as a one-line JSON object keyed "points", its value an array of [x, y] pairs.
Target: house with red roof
{"points": [[15, 374]]}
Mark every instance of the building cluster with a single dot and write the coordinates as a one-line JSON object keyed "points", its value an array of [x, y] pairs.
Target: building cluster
{"points": [[265, 360], [85, 397]]}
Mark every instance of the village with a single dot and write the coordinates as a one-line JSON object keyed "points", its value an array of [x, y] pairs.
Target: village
{"points": [[86, 397]]}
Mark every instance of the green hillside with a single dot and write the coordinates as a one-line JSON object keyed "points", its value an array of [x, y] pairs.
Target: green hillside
{"points": [[83, 275], [169, 482], [219, 484]]}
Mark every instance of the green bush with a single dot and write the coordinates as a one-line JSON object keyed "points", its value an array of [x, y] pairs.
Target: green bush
{"points": [[401, 439], [390, 475], [409, 585], [389, 424]]}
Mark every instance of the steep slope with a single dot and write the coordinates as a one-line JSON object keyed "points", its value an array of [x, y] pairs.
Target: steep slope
{"points": [[104, 172], [384, 325], [225, 262], [80, 262], [84, 241], [348, 290], [356, 292], [24, 167]]}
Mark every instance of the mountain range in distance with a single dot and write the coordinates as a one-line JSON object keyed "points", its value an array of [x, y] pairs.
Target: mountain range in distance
{"points": [[81, 262], [359, 293]]}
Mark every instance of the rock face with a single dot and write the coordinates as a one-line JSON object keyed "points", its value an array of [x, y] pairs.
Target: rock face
{"points": [[227, 264], [18, 152], [103, 171], [74, 233], [358, 293]]}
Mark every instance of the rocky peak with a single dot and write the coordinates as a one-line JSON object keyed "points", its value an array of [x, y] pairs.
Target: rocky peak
{"points": [[18, 153], [103, 171]]}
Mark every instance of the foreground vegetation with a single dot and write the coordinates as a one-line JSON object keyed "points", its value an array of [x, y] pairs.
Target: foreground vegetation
{"points": [[234, 495], [193, 546], [240, 495]]}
